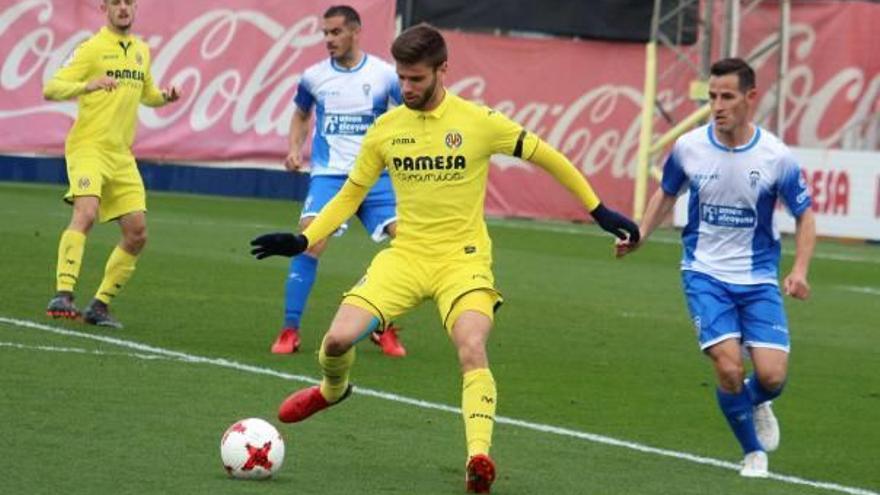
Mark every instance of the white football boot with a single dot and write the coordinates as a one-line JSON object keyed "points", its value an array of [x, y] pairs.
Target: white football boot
{"points": [[755, 465], [766, 426]]}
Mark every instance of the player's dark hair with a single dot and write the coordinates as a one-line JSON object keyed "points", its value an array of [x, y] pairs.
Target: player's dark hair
{"points": [[420, 43], [737, 66], [351, 16]]}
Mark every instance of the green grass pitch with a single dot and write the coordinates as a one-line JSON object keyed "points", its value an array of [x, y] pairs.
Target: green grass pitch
{"points": [[585, 344]]}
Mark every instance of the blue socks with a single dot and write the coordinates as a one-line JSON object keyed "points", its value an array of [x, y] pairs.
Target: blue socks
{"points": [[297, 287], [737, 409], [757, 392]]}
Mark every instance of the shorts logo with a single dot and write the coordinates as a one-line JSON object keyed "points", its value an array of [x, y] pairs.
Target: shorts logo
{"points": [[453, 140], [698, 325], [84, 183]]}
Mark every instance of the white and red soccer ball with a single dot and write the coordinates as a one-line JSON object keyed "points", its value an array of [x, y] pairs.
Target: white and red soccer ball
{"points": [[252, 449]]}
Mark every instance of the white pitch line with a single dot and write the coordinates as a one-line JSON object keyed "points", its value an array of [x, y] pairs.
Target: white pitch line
{"points": [[79, 350], [862, 290], [592, 437]]}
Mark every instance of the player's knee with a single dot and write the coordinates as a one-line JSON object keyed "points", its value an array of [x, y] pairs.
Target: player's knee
{"points": [[135, 239], [83, 218], [335, 346], [771, 380], [730, 374], [472, 354]]}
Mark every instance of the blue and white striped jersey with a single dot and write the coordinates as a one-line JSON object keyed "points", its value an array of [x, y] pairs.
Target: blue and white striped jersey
{"points": [[730, 233], [346, 103]]}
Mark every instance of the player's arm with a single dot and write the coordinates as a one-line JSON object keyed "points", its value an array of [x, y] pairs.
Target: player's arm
{"points": [[660, 205], [299, 131], [795, 284], [71, 80], [554, 162], [304, 101], [367, 168], [795, 195], [152, 96]]}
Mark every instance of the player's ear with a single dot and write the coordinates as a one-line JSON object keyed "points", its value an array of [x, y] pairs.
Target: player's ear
{"points": [[442, 67]]}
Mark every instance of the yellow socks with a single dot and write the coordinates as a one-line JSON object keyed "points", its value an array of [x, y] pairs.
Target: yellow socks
{"points": [[70, 255], [336, 370], [120, 267], [478, 398]]}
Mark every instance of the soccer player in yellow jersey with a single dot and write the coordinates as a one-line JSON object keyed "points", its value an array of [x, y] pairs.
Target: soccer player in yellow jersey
{"points": [[436, 148], [110, 76]]}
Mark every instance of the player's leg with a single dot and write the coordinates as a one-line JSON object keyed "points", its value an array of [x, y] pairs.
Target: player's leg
{"points": [[336, 358], [303, 269], [390, 287], [71, 248], [472, 322], [124, 201], [301, 274], [715, 317], [766, 336], [84, 192], [378, 214]]}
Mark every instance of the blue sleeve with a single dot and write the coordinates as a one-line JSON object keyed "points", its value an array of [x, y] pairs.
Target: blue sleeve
{"points": [[793, 187], [304, 98], [394, 91], [674, 177]]}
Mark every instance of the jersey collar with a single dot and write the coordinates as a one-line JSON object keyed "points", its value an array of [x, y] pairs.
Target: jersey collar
{"points": [[710, 129], [106, 32], [339, 68], [438, 112]]}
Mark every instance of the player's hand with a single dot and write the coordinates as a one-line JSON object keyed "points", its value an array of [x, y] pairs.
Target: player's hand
{"points": [[623, 247], [294, 162], [171, 94], [611, 221], [280, 244], [103, 82], [796, 286]]}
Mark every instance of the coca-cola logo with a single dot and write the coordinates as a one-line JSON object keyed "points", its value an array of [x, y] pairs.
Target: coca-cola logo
{"points": [[239, 66]]}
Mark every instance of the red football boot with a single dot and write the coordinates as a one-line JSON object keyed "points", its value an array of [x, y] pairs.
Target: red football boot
{"points": [[302, 404], [287, 341], [480, 474], [389, 342]]}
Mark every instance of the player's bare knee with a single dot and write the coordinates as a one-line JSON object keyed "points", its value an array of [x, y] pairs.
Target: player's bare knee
{"points": [[771, 380], [135, 240], [83, 218], [730, 374], [335, 346]]}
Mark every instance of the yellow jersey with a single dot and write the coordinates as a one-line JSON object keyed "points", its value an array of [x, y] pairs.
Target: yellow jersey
{"points": [[438, 161], [106, 120], [439, 165]]}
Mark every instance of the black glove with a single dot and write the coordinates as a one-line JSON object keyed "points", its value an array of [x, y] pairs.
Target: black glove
{"points": [[617, 224], [279, 243]]}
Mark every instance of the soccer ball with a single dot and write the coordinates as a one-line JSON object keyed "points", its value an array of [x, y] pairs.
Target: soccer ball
{"points": [[252, 449]]}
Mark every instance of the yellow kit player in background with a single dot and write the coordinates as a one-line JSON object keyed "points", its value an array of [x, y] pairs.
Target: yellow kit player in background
{"points": [[110, 76], [436, 149]]}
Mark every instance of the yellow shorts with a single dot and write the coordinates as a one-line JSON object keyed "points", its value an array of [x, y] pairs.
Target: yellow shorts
{"points": [[398, 281], [112, 177]]}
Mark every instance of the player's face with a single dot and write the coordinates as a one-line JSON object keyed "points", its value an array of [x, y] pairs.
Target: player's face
{"points": [[420, 84], [120, 13], [341, 39], [731, 108]]}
